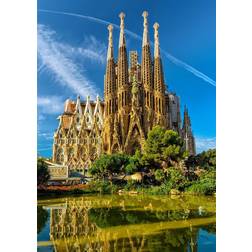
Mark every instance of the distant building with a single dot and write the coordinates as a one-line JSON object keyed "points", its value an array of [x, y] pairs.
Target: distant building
{"points": [[136, 99]]}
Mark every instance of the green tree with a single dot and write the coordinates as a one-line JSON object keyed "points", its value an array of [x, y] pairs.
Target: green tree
{"points": [[107, 165], [134, 163], [176, 179], [206, 184], [42, 172], [205, 160], [162, 147], [159, 175]]}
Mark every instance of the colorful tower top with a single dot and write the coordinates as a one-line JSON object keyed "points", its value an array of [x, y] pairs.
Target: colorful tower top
{"points": [[122, 38], [145, 32], [156, 37], [110, 44]]}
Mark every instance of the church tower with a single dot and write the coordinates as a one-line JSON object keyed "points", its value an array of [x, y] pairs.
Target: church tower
{"points": [[123, 92], [146, 76], [159, 86], [110, 97], [187, 135], [135, 100]]}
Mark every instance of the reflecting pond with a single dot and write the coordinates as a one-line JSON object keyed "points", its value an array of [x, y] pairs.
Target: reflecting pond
{"points": [[127, 223]]}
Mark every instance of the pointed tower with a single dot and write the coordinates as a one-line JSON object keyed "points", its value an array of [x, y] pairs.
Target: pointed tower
{"points": [[123, 83], [146, 66], [159, 86], [187, 135], [110, 77], [78, 113], [122, 74], [147, 77], [110, 94]]}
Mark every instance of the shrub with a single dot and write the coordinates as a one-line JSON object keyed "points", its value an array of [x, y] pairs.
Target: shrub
{"points": [[103, 187], [205, 185], [159, 175], [176, 179], [105, 166]]}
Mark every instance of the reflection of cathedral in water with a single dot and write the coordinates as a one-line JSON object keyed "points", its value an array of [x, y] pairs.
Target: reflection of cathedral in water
{"points": [[82, 225]]}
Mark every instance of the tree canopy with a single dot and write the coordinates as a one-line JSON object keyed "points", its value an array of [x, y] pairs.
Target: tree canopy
{"points": [[161, 147], [165, 164], [106, 165], [205, 160]]}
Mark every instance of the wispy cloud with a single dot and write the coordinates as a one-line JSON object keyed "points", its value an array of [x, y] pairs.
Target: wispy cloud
{"points": [[93, 50], [173, 59], [205, 143], [57, 57], [46, 135], [44, 149], [49, 105]]}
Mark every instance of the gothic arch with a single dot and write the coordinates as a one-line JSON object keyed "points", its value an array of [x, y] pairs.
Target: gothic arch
{"points": [[133, 141], [60, 156], [115, 148], [70, 153]]}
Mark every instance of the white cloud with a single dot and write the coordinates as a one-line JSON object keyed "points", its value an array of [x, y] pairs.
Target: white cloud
{"points": [[173, 59], [58, 58], [205, 143], [93, 50], [46, 135], [50, 105]]}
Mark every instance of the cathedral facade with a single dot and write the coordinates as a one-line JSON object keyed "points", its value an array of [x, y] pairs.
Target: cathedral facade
{"points": [[136, 99]]}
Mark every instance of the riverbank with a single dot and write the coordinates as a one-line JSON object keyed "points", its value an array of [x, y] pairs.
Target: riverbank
{"points": [[64, 190], [109, 189]]}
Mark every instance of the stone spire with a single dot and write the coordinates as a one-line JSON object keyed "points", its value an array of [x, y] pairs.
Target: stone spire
{"points": [[146, 69], [189, 142], [109, 80], [122, 37], [145, 32], [78, 106], [156, 39], [158, 71], [122, 56], [110, 44], [187, 121]]}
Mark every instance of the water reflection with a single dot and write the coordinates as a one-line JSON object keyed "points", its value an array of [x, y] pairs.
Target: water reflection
{"points": [[126, 223]]}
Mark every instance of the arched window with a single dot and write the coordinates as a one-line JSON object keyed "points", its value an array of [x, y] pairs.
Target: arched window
{"points": [[60, 156], [70, 153]]}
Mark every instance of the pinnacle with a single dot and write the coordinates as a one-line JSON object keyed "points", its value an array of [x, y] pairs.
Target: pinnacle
{"points": [[145, 14], [156, 26], [110, 27], [122, 15]]}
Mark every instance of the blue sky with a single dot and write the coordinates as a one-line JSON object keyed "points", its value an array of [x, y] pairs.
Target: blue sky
{"points": [[72, 56]]}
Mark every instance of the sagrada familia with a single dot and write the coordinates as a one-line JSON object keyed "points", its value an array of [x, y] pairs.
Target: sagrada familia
{"points": [[135, 100]]}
